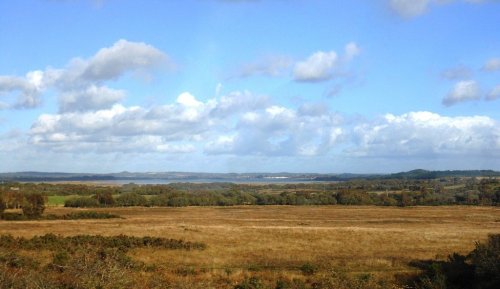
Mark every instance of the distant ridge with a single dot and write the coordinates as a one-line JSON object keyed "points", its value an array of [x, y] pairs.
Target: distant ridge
{"points": [[418, 174], [237, 177], [424, 174]]}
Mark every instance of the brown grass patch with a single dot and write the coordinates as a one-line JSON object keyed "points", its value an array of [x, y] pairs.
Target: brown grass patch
{"points": [[380, 240]]}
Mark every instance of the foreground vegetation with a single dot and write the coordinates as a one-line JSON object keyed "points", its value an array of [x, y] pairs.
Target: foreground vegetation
{"points": [[81, 261], [270, 244], [254, 247], [14, 216]]}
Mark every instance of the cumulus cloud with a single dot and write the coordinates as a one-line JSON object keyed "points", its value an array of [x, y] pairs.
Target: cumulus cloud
{"points": [[244, 124], [494, 94], [276, 65], [238, 101], [111, 62], [108, 63], [409, 8], [21, 92], [122, 128], [317, 67], [177, 126], [184, 118], [492, 64], [236, 123], [322, 66], [425, 134], [280, 131], [457, 73], [351, 50], [80, 83], [463, 91], [90, 98]]}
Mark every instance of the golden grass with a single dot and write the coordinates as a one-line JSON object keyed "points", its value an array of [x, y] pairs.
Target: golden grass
{"points": [[282, 238]]}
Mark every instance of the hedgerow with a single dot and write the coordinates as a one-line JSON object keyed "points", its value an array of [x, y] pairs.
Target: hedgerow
{"points": [[55, 242]]}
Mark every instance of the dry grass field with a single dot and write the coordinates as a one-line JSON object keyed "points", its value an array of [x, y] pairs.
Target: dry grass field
{"points": [[279, 239]]}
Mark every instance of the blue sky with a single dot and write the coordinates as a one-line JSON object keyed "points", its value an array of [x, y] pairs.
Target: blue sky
{"points": [[368, 86]]}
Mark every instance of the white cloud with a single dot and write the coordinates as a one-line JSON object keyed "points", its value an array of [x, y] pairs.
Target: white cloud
{"points": [[239, 101], [167, 128], [244, 125], [317, 67], [457, 73], [323, 66], [351, 50], [80, 83], [19, 92], [274, 65], [426, 134], [409, 8], [184, 118], [239, 123], [463, 91], [90, 98], [279, 131], [186, 121], [494, 94], [492, 64], [111, 62], [413, 8]]}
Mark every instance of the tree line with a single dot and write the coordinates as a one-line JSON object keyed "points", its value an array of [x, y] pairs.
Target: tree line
{"points": [[383, 192], [235, 197]]}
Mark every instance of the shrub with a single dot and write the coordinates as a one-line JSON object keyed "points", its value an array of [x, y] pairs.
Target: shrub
{"points": [[101, 268], [486, 259], [250, 283], [105, 199], [60, 260], [13, 260], [479, 270], [81, 202], [53, 242], [131, 199], [3, 206], [34, 205], [70, 216], [343, 280], [88, 215], [13, 217], [308, 269]]}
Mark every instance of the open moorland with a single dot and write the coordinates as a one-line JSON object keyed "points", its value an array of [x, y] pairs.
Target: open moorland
{"points": [[269, 243]]}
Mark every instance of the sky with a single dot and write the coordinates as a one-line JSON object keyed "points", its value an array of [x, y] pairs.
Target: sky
{"points": [[367, 86]]}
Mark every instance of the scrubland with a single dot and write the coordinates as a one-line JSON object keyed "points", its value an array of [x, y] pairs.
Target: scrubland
{"points": [[300, 244]]}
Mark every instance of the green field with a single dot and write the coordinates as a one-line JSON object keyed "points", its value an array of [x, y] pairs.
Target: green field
{"points": [[58, 200]]}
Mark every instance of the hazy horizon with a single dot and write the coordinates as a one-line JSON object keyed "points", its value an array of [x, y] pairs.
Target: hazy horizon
{"points": [[240, 86]]}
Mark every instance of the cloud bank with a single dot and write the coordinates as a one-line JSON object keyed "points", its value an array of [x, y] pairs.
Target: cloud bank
{"points": [[81, 84], [92, 119]]}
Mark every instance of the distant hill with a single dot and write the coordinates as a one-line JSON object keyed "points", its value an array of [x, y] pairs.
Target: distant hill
{"points": [[424, 174], [418, 174], [235, 177], [168, 176]]}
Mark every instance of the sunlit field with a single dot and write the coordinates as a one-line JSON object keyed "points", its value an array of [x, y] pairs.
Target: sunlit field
{"points": [[280, 241]]}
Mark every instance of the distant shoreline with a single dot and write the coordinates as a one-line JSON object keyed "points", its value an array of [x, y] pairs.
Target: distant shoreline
{"points": [[121, 182]]}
